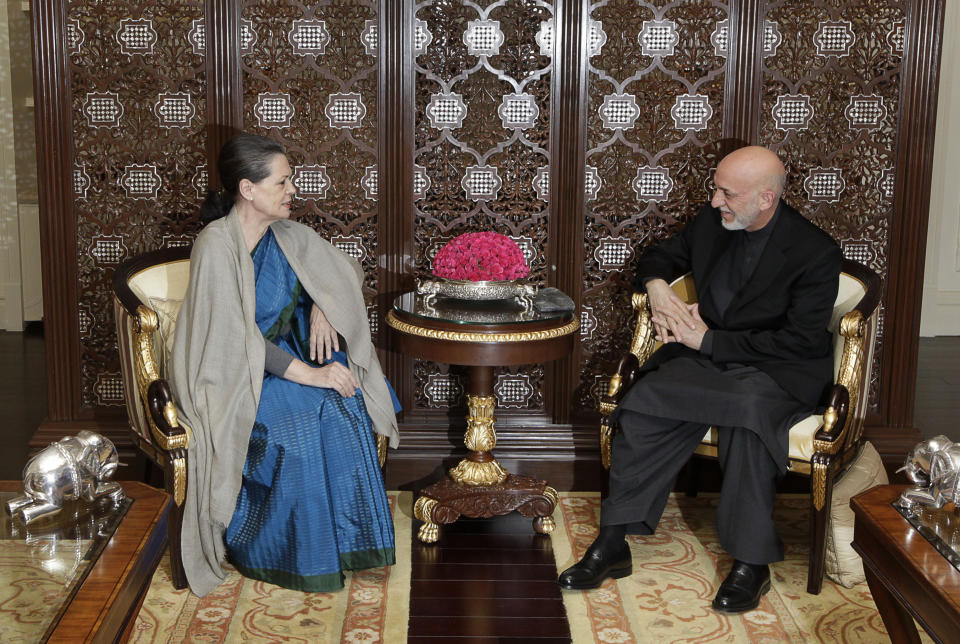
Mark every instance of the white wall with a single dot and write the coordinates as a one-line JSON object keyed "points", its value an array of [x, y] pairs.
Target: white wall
{"points": [[11, 304], [941, 279], [21, 295]]}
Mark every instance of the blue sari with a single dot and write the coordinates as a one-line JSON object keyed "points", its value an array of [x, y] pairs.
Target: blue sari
{"points": [[312, 502]]}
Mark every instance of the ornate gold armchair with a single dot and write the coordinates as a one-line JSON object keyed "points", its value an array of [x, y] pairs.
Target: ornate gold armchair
{"points": [[821, 446], [148, 290], [142, 286]]}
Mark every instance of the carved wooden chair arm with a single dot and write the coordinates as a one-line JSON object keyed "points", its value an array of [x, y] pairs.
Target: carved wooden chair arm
{"points": [[643, 343], [829, 443], [641, 347], [829, 437], [627, 371], [166, 430], [169, 434], [835, 434]]}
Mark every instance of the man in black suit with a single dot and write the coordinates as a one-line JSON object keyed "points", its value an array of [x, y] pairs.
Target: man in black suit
{"points": [[752, 357]]}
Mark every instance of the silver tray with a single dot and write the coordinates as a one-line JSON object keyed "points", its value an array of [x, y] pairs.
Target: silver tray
{"points": [[467, 290]]}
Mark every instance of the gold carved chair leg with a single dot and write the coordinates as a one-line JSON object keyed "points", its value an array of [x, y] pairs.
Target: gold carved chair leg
{"points": [[820, 503]]}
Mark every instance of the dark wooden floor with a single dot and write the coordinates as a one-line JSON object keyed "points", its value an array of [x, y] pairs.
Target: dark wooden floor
{"points": [[23, 395], [485, 580]]}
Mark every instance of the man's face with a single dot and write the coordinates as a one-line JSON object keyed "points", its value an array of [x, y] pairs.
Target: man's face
{"points": [[738, 203]]}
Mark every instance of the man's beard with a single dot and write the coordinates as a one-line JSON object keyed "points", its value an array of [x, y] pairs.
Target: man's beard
{"points": [[739, 222]]}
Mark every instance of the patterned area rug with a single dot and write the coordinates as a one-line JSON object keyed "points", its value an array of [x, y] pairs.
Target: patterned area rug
{"points": [[372, 607], [677, 571], [34, 577]]}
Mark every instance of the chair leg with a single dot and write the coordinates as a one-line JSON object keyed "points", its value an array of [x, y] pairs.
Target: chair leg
{"points": [[174, 522], [818, 532], [694, 469]]}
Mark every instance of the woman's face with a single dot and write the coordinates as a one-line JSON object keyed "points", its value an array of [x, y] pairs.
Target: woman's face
{"points": [[273, 196]]}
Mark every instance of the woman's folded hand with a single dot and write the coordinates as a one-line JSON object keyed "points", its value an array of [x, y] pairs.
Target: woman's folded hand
{"points": [[335, 376], [330, 376]]}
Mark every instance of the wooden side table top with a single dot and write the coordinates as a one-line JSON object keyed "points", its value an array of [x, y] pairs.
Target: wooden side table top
{"points": [[107, 600], [494, 334], [904, 570]]}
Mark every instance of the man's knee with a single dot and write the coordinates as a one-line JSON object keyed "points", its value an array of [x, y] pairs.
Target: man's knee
{"points": [[742, 453]]}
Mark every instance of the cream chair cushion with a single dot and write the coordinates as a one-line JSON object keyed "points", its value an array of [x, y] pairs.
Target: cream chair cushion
{"points": [[167, 312], [843, 564], [162, 287], [801, 438], [850, 293]]}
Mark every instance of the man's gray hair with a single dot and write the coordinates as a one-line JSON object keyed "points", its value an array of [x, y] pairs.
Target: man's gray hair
{"points": [[779, 184]]}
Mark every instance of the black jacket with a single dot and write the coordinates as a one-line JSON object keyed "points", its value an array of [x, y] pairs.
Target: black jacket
{"points": [[778, 321]]}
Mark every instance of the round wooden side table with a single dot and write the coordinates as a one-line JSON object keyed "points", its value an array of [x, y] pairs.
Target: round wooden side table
{"points": [[481, 336]]}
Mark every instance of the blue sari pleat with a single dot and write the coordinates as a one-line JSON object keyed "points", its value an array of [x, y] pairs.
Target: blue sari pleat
{"points": [[312, 501]]}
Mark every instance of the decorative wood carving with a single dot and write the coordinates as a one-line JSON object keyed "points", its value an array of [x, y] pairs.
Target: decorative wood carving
{"points": [[830, 99], [139, 168], [446, 501], [655, 110], [309, 75], [481, 157], [585, 129]]}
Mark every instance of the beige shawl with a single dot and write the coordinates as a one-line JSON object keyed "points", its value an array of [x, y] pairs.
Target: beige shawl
{"points": [[217, 369]]}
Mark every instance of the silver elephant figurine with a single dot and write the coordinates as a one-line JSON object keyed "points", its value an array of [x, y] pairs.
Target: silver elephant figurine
{"points": [[934, 465], [71, 469]]}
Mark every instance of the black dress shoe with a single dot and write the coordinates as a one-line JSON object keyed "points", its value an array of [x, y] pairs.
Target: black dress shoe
{"points": [[597, 564], [742, 589]]}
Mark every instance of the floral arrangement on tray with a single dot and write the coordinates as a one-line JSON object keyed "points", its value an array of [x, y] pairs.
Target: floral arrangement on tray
{"points": [[479, 266], [480, 257]]}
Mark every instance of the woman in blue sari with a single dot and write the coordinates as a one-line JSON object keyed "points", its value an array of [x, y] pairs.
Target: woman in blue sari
{"points": [[311, 500]]}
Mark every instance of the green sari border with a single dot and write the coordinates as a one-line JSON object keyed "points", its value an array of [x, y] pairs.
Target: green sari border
{"points": [[358, 560]]}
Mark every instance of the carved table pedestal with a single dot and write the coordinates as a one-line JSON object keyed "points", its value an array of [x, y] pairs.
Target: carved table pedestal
{"points": [[481, 336]]}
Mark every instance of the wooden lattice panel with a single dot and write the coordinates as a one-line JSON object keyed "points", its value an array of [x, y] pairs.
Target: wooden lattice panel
{"points": [[654, 114], [483, 76], [139, 117], [310, 80], [830, 100]]}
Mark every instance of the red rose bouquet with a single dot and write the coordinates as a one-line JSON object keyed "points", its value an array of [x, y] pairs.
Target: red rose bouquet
{"points": [[480, 257]]}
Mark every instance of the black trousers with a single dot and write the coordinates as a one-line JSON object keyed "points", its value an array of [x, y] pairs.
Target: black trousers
{"points": [[662, 420], [648, 453]]}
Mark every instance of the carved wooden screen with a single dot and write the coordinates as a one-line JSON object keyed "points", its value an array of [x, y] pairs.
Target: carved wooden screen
{"points": [[585, 130], [655, 102], [309, 73], [830, 104], [481, 159], [138, 90]]}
